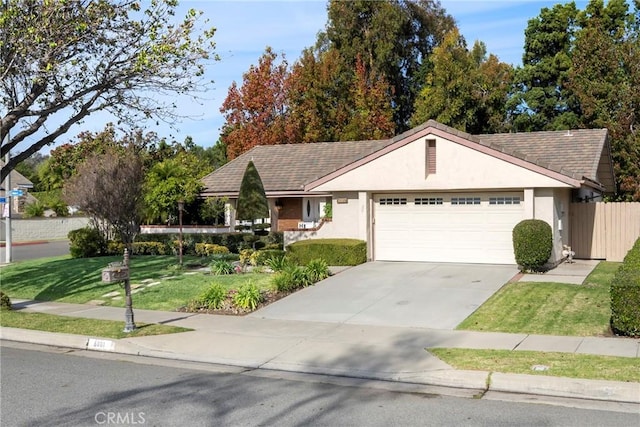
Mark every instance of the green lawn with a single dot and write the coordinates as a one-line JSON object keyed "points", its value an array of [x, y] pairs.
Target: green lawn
{"points": [[549, 308], [158, 285], [81, 326], [560, 364]]}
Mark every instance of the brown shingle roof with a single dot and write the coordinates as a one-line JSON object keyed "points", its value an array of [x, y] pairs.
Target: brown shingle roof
{"points": [[574, 153], [286, 168]]}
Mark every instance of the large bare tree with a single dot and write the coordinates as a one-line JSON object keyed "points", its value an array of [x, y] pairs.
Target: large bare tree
{"points": [[108, 187], [64, 60]]}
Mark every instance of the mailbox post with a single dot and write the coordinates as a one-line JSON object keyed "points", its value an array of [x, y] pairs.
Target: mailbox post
{"points": [[119, 272]]}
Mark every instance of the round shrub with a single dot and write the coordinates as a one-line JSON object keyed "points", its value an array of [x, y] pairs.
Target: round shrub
{"points": [[532, 244], [5, 302], [86, 242]]}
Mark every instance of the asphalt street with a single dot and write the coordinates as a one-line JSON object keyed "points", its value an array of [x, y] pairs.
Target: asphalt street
{"points": [[52, 387], [33, 250]]}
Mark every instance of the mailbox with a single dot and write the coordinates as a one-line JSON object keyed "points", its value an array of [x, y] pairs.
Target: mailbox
{"points": [[115, 272]]}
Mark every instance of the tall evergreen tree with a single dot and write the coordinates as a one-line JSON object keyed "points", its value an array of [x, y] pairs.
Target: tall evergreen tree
{"points": [[394, 39], [606, 80], [542, 101], [252, 201], [465, 89]]}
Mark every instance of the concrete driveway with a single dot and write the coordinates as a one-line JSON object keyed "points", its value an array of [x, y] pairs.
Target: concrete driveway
{"points": [[406, 294]]}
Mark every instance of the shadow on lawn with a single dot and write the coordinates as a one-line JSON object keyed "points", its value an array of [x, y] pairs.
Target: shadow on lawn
{"points": [[62, 278]]}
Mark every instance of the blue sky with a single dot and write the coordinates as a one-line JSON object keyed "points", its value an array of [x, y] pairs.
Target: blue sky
{"points": [[245, 28]]}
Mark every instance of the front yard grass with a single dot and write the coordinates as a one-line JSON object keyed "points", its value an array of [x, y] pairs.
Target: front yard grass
{"points": [[156, 284], [570, 365], [549, 308], [81, 326]]}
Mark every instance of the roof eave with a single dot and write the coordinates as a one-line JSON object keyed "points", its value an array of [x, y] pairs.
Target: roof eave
{"points": [[462, 138]]}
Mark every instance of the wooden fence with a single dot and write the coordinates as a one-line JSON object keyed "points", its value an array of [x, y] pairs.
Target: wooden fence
{"points": [[604, 230]]}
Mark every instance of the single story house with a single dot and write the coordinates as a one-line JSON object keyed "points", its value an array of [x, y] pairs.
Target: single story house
{"points": [[432, 193], [18, 182]]}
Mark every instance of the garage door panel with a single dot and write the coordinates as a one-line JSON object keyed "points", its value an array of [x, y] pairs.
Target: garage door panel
{"points": [[446, 232]]}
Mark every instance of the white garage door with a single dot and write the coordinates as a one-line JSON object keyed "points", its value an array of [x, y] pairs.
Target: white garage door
{"points": [[469, 227]]}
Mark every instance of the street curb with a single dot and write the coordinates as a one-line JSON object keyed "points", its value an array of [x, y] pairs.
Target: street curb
{"points": [[617, 391], [25, 243], [609, 391]]}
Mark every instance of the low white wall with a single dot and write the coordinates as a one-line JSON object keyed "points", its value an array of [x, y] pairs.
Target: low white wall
{"points": [[24, 230]]}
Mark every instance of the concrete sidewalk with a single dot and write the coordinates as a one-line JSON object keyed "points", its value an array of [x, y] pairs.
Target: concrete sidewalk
{"points": [[339, 349], [575, 272]]}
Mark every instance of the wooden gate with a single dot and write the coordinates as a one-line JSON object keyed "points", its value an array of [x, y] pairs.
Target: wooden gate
{"points": [[604, 230]]}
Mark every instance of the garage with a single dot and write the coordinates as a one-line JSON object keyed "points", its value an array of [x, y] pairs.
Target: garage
{"points": [[446, 227]]}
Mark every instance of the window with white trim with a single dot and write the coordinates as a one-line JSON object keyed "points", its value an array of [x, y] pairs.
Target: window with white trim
{"points": [[504, 200], [393, 201], [428, 201], [465, 200]]}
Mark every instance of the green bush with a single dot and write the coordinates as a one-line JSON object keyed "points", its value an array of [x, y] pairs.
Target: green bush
{"points": [[290, 278], [625, 295], [214, 297], [207, 249], [333, 251], [278, 263], [225, 257], [263, 256], [273, 240], [532, 244], [60, 208], [5, 301], [248, 296], [32, 210], [316, 270], [233, 241], [139, 248], [220, 267], [86, 242]]}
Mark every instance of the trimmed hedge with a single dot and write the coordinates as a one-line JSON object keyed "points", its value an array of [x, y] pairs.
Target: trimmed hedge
{"points": [[334, 251], [532, 244], [625, 295], [139, 248], [235, 242]]}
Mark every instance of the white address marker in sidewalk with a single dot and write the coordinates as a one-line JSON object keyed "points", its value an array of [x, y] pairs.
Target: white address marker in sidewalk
{"points": [[101, 345]]}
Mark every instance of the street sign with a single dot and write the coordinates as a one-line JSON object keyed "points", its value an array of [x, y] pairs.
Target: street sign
{"points": [[16, 193], [3, 200]]}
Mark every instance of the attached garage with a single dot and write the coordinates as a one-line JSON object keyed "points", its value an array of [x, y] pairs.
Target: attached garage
{"points": [[446, 227]]}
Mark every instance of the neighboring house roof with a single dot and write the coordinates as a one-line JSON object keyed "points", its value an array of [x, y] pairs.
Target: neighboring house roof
{"points": [[577, 155], [17, 179]]}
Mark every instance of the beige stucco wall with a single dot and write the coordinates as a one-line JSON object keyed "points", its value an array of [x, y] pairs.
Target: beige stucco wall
{"points": [[552, 206], [346, 222], [457, 168]]}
